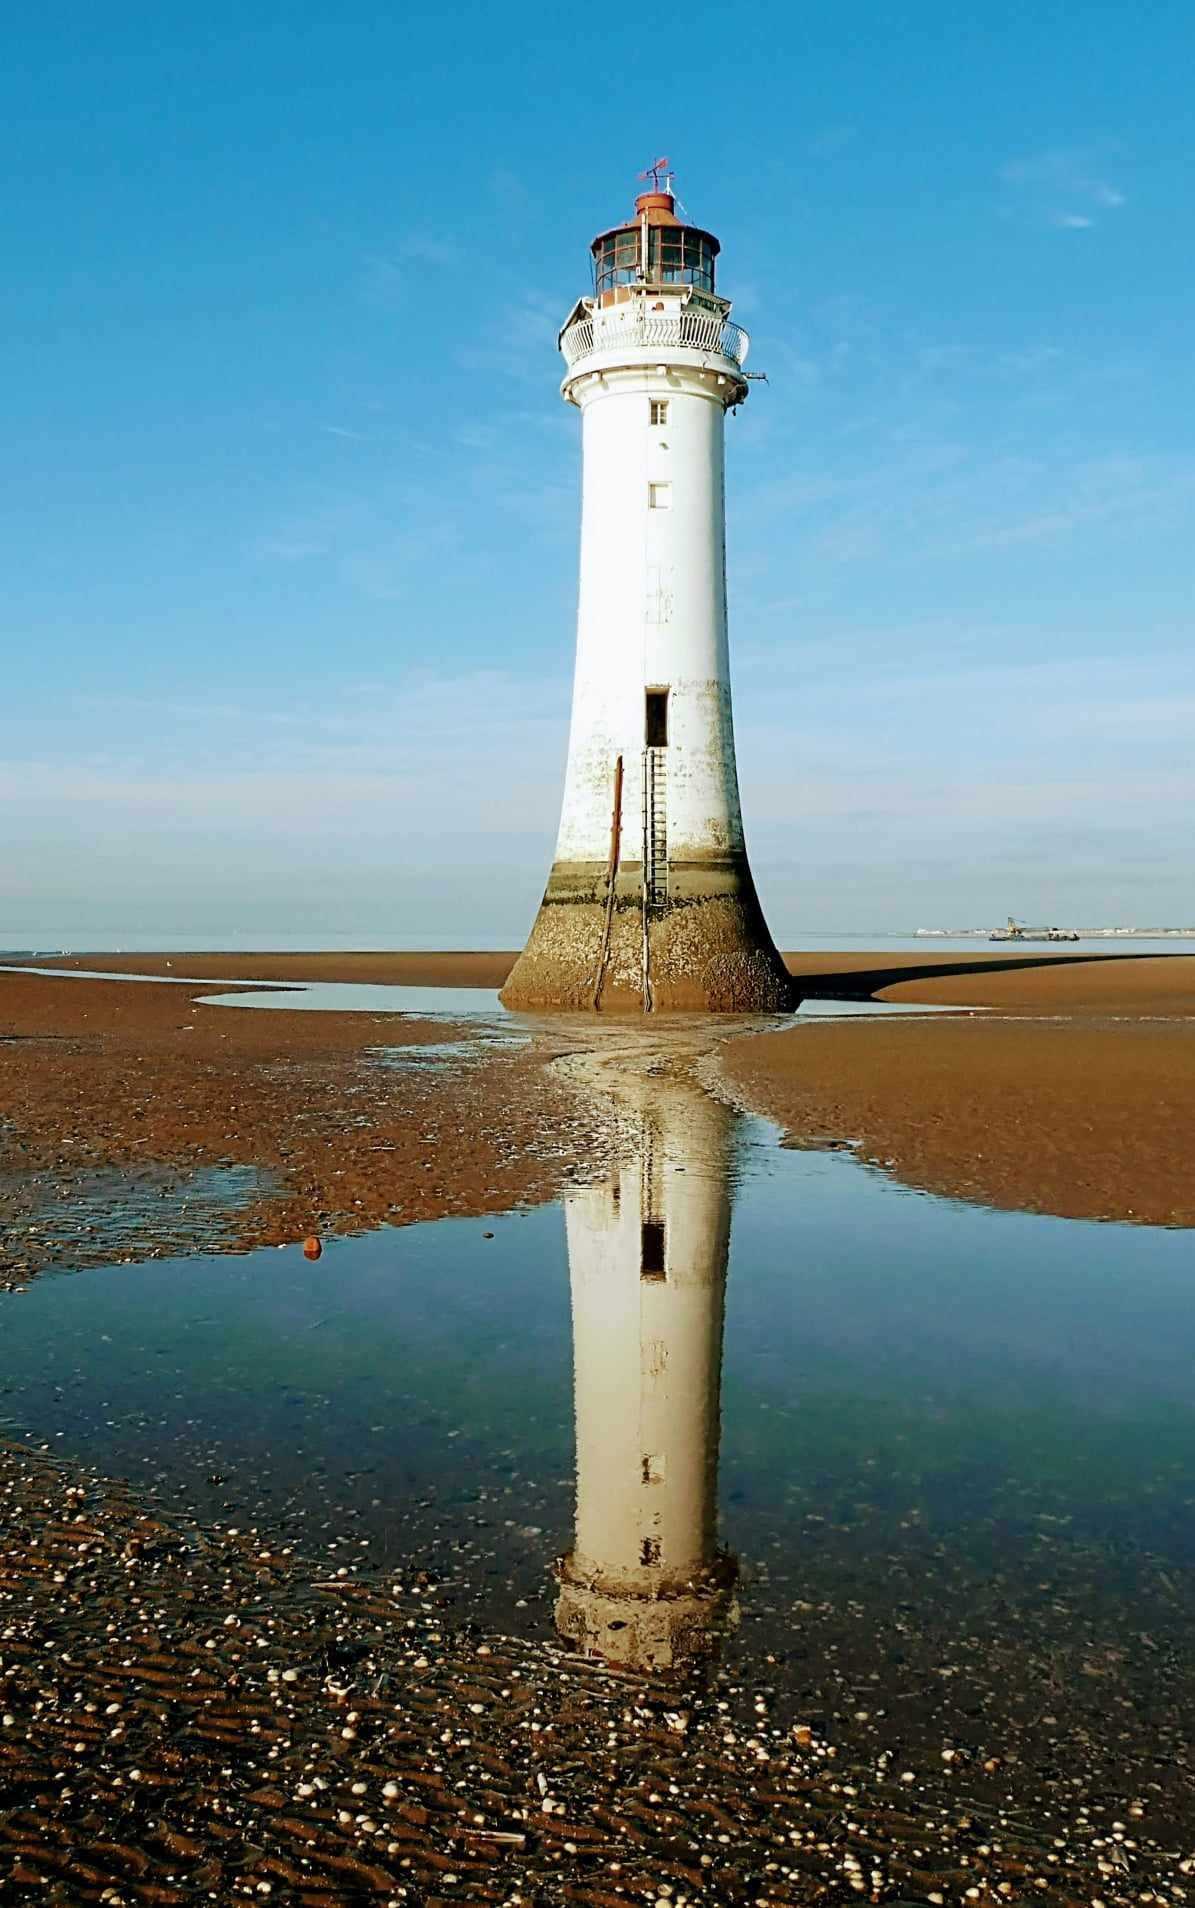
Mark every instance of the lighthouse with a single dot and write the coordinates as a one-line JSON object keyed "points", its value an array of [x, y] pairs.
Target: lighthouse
{"points": [[646, 1583], [650, 904]]}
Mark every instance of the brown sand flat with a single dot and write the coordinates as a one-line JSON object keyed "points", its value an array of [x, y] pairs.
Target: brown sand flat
{"points": [[1042, 982], [449, 969], [1031, 981], [1074, 1093], [110, 1074], [1088, 1118], [1136, 986]]}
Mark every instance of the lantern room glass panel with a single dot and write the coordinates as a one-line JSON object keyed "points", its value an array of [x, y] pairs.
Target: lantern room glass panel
{"points": [[616, 260], [680, 256]]}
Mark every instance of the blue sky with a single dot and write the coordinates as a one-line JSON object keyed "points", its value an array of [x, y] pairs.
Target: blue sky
{"points": [[290, 499]]}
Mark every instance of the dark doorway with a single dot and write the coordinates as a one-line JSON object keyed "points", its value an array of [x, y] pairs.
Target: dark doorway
{"points": [[651, 1255], [657, 718]]}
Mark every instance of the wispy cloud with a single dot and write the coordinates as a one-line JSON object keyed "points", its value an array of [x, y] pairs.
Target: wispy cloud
{"points": [[922, 501], [1064, 186], [377, 543], [429, 248], [518, 340], [868, 750], [367, 761], [388, 277]]}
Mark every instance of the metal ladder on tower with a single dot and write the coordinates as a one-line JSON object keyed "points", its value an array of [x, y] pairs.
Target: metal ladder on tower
{"points": [[655, 828]]}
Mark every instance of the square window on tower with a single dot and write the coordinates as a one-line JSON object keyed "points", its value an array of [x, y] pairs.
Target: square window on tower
{"points": [[659, 410], [659, 496]]}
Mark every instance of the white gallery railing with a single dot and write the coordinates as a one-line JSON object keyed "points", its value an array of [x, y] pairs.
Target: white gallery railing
{"points": [[696, 330]]}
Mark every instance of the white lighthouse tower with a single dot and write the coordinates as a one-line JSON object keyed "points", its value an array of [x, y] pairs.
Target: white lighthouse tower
{"points": [[650, 903], [646, 1584]]}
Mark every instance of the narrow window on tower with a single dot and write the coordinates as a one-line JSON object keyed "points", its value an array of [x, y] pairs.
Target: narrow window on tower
{"points": [[651, 1250], [659, 410], [656, 719], [659, 496]]}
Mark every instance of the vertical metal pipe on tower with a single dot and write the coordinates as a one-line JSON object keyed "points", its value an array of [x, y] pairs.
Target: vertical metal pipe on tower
{"points": [[673, 921]]}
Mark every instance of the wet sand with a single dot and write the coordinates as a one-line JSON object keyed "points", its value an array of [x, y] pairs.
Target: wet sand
{"points": [[191, 1713], [120, 1102], [1083, 1120], [1046, 981], [1073, 1093]]}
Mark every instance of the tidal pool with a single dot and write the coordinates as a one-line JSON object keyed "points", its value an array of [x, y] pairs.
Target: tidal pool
{"points": [[921, 1461]]}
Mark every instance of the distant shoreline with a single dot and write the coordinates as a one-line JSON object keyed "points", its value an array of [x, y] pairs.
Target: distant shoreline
{"points": [[1084, 934]]}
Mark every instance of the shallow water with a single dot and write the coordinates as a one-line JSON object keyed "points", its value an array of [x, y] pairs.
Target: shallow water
{"points": [[125, 1214], [431, 1003], [456, 1003], [478, 1005], [913, 1404]]}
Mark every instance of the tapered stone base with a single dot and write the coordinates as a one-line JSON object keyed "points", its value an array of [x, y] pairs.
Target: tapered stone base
{"points": [[647, 1629], [706, 950]]}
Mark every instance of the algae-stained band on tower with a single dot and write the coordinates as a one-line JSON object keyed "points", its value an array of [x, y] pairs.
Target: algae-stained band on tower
{"points": [[650, 903]]}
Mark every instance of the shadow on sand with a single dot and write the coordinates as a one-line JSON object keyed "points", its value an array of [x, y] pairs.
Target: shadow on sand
{"points": [[864, 983]]}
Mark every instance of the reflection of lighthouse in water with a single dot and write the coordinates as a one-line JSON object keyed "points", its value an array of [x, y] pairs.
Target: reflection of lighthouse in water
{"points": [[645, 1583]]}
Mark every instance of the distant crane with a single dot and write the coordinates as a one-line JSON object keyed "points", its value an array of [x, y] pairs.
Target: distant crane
{"points": [[1016, 932]]}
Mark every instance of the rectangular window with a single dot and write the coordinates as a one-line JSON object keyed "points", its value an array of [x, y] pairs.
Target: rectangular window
{"points": [[659, 410], [656, 722], [651, 1255], [659, 496]]}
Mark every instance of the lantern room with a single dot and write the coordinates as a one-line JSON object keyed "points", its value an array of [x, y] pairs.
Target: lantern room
{"points": [[651, 251]]}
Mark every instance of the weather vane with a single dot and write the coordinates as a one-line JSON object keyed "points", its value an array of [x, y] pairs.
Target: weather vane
{"points": [[660, 175]]}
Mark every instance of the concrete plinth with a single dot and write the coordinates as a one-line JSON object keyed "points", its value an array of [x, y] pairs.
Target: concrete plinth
{"points": [[706, 950]]}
